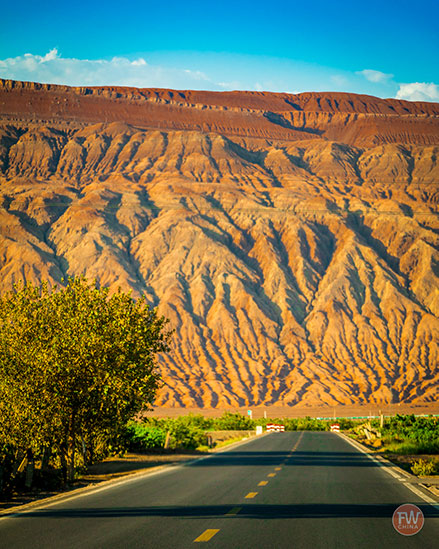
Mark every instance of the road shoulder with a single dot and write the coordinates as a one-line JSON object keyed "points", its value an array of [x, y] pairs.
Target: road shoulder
{"points": [[417, 485], [128, 476]]}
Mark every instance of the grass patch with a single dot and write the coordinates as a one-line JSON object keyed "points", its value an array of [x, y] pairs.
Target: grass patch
{"points": [[223, 443], [424, 467]]}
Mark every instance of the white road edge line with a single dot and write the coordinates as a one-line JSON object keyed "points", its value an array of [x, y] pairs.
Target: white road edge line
{"points": [[382, 464], [88, 491], [58, 501]]}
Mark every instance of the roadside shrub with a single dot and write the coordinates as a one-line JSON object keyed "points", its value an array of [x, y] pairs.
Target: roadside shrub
{"points": [[186, 435], [424, 467], [141, 437], [345, 423], [305, 424], [418, 435], [186, 432], [233, 422], [192, 421]]}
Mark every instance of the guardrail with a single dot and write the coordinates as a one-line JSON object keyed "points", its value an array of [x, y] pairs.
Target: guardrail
{"points": [[275, 428]]}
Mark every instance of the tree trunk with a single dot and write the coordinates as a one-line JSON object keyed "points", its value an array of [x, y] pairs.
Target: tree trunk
{"points": [[45, 458], [63, 458], [71, 449], [30, 468], [71, 461]]}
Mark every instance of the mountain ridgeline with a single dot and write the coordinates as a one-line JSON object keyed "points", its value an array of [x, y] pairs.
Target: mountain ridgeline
{"points": [[292, 240]]}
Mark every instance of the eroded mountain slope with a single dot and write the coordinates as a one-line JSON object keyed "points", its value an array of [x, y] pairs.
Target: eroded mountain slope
{"points": [[300, 270]]}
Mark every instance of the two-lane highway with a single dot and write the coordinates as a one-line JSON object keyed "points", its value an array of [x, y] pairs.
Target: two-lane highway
{"points": [[284, 490]]}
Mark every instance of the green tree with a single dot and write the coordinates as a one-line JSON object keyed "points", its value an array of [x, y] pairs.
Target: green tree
{"points": [[75, 365], [230, 421]]}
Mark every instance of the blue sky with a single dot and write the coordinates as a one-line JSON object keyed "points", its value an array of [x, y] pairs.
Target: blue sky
{"points": [[388, 49]]}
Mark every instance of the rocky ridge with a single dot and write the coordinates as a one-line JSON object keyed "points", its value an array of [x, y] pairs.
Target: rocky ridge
{"points": [[292, 241]]}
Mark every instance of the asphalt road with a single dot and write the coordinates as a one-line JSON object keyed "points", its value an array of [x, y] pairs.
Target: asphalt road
{"points": [[283, 490]]}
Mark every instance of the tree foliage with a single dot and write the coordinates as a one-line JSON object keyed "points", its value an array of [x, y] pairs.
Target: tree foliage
{"points": [[415, 434], [75, 365]]}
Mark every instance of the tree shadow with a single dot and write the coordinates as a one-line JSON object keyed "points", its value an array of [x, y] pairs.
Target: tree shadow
{"points": [[248, 511], [303, 459]]}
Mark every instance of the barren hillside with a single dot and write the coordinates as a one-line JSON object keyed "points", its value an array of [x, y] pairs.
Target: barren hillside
{"points": [[292, 240]]}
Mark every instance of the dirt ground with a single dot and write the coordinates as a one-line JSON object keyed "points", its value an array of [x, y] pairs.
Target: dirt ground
{"points": [[373, 409], [115, 467], [110, 468]]}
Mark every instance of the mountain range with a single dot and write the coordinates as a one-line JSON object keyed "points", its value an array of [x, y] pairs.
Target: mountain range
{"points": [[291, 240]]}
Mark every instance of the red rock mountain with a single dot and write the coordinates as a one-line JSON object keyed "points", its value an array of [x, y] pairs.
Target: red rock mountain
{"points": [[292, 240]]}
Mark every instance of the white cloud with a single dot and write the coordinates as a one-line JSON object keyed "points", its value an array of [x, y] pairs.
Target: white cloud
{"points": [[52, 68], [339, 80], [235, 85], [139, 62], [53, 54], [418, 91], [209, 71], [375, 76]]}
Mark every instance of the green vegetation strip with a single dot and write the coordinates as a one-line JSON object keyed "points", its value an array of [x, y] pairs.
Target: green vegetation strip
{"points": [[410, 441]]}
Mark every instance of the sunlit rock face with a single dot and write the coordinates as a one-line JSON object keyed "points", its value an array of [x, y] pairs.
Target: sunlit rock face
{"points": [[291, 240]]}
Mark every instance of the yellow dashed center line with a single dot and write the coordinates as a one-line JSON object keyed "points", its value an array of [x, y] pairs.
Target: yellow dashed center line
{"points": [[207, 535]]}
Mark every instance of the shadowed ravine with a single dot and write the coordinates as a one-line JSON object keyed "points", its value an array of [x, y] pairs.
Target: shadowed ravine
{"points": [[301, 266]]}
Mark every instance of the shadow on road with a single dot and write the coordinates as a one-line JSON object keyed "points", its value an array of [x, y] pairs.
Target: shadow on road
{"points": [[308, 459], [266, 512]]}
